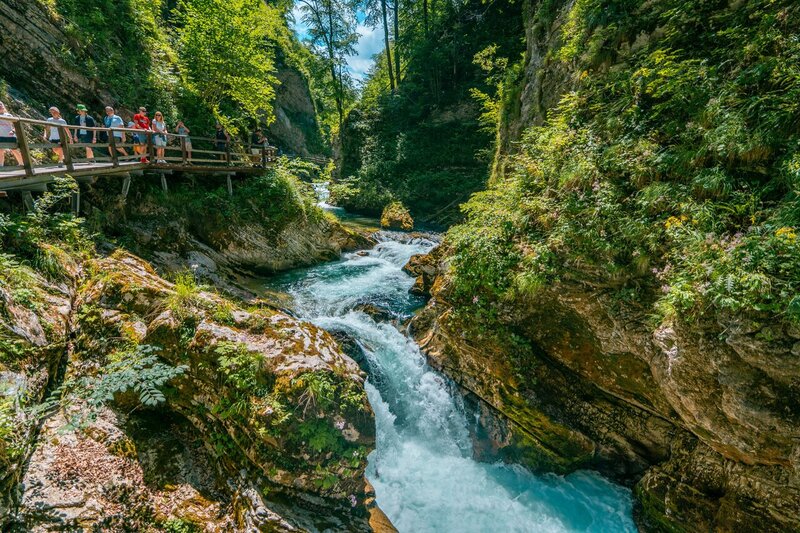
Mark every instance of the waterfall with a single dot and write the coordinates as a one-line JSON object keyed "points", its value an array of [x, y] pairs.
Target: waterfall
{"points": [[422, 468]]}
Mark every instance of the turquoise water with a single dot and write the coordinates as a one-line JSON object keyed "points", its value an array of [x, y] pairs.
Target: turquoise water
{"points": [[422, 468]]}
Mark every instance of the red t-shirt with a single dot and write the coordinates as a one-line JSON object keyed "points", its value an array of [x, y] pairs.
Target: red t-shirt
{"points": [[141, 121]]}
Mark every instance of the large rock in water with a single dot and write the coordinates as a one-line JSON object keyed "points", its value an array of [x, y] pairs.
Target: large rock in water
{"points": [[706, 431], [267, 429], [396, 216]]}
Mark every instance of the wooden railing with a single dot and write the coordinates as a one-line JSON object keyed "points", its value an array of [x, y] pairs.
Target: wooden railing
{"points": [[113, 147]]}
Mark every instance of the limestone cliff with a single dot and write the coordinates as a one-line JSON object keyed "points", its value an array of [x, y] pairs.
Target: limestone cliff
{"points": [[700, 414]]}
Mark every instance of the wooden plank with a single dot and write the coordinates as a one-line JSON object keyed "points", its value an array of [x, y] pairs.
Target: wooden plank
{"points": [[63, 140], [22, 143]]}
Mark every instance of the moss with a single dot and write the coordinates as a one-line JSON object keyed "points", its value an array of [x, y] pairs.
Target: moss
{"points": [[541, 443], [654, 511], [396, 216]]}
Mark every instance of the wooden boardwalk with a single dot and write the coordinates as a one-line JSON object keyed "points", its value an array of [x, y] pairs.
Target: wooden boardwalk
{"points": [[114, 155]]}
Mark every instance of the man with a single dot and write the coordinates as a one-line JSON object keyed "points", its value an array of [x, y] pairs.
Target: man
{"points": [[84, 120], [257, 142], [8, 135], [141, 122], [112, 120], [221, 141]]}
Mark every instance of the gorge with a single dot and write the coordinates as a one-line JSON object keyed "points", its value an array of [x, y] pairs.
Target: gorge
{"points": [[588, 319]]}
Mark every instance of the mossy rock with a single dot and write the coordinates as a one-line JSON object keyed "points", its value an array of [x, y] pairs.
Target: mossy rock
{"points": [[396, 216]]}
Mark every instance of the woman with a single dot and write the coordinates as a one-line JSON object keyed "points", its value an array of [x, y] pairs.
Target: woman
{"points": [[8, 135], [160, 136], [182, 130], [52, 133]]}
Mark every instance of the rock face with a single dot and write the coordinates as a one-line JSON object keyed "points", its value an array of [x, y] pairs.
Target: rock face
{"points": [[210, 246], [396, 216], [701, 418], [706, 431], [295, 128], [31, 44], [267, 428]]}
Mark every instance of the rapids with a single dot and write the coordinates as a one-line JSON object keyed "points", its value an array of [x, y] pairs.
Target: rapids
{"points": [[422, 469]]}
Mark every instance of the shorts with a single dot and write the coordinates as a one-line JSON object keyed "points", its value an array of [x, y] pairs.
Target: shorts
{"points": [[55, 141], [85, 138], [220, 147], [159, 140], [255, 151], [8, 140]]}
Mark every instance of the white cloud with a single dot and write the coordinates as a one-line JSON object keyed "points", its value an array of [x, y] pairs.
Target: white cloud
{"points": [[370, 42]]}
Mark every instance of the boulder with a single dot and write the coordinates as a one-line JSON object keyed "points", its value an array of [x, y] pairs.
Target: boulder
{"points": [[396, 216]]}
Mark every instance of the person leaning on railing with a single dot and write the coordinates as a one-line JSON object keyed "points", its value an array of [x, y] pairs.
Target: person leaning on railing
{"points": [[53, 134], [84, 120], [141, 122], [181, 129], [8, 135], [112, 120], [160, 136]]}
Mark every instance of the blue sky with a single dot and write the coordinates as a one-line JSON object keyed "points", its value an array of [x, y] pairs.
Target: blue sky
{"points": [[370, 43]]}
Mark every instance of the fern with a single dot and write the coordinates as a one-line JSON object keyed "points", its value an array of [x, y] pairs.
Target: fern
{"points": [[139, 370]]}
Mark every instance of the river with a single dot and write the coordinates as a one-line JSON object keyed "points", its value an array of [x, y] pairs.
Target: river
{"points": [[422, 469]]}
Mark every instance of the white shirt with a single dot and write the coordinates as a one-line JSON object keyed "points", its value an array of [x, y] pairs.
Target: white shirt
{"points": [[54, 134], [6, 126]]}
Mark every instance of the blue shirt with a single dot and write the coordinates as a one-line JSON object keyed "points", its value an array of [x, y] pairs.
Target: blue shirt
{"points": [[114, 122]]}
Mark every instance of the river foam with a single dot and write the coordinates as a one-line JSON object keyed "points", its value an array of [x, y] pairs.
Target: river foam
{"points": [[422, 468]]}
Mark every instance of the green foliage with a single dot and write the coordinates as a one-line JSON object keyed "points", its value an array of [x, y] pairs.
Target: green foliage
{"points": [[178, 525], [224, 57], [48, 237], [241, 367], [428, 144], [185, 295], [11, 445], [272, 201], [99, 45], [137, 369], [676, 170]]}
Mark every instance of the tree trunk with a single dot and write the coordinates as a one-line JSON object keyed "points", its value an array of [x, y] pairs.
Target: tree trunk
{"points": [[396, 42], [337, 86], [392, 84], [425, 15]]}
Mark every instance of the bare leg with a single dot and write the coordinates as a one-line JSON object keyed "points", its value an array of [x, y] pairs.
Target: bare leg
{"points": [[17, 155], [60, 153], [89, 153]]}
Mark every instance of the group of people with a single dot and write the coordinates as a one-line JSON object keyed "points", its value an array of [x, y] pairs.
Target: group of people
{"points": [[82, 132]]}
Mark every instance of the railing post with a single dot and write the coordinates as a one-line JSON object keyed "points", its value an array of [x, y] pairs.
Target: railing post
{"points": [[150, 149], [64, 142], [112, 148], [228, 151], [184, 153], [263, 156], [22, 144]]}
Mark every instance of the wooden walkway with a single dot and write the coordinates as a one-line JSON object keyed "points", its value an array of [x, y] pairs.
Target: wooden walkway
{"points": [[114, 153]]}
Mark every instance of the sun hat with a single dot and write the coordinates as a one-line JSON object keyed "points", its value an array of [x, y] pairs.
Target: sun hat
{"points": [[81, 107]]}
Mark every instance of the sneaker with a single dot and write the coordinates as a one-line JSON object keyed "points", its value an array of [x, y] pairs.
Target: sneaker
{"points": [[144, 160], [60, 164]]}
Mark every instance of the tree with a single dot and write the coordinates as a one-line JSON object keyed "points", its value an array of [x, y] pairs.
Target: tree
{"points": [[396, 12], [224, 54], [377, 11], [332, 28]]}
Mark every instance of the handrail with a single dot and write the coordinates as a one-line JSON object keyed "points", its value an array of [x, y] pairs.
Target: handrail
{"points": [[225, 152]]}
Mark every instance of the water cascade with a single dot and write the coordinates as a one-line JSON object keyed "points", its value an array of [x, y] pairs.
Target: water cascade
{"points": [[422, 470]]}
